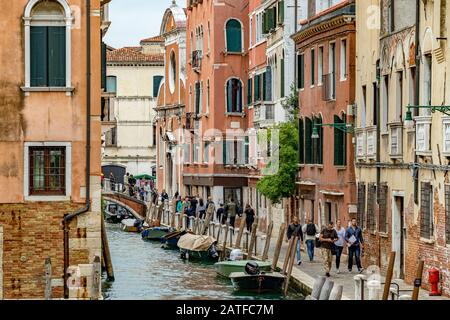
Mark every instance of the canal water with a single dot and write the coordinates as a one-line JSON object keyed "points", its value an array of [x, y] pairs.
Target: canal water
{"points": [[145, 271]]}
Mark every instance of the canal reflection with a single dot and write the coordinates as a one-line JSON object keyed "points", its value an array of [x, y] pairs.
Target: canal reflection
{"points": [[145, 271]]}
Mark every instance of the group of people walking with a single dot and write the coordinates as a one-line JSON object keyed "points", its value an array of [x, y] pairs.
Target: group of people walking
{"points": [[331, 240]]}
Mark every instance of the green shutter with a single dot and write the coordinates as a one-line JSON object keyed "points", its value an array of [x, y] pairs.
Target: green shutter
{"points": [[308, 141], [57, 56], [247, 150], [282, 91], [249, 91], [229, 96], [234, 36], [38, 56], [103, 66], [224, 151], [271, 18], [264, 86], [301, 71], [319, 144], [266, 22], [301, 142], [156, 83], [268, 85], [197, 98], [257, 90], [281, 12]]}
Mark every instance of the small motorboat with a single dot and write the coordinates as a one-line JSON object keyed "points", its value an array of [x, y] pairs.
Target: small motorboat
{"points": [[170, 240], [225, 268], [255, 280], [131, 225], [156, 233], [198, 247]]}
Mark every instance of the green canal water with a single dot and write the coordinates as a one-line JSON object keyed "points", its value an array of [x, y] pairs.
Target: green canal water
{"points": [[145, 271]]}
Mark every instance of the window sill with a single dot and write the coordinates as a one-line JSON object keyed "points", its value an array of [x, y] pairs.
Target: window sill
{"points": [[383, 235], [427, 241], [47, 89], [47, 198], [396, 156], [226, 53], [341, 168], [424, 153], [235, 114]]}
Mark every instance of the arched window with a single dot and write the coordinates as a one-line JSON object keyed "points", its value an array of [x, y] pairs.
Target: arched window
{"points": [[47, 44], [234, 95], [172, 72], [308, 141], [156, 84], [234, 36], [318, 143]]}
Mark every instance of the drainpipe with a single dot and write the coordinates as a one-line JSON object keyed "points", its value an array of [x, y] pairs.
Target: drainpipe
{"points": [[68, 217], [417, 98]]}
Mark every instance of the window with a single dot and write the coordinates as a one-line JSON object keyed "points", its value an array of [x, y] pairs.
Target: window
{"points": [[340, 143], [281, 12], [447, 214], [45, 171], [111, 137], [251, 32], [206, 151], [257, 87], [156, 83], [154, 135], [318, 143], [233, 36], [426, 211], [385, 94], [361, 207], [423, 143], [363, 106], [382, 203], [111, 84], [371, 203], [313, 67], [198, 98], [282, 80], [234, 96], [427, 83], [332, 69], [344, 59], [249, 91], [320, 66], [391, 15], [308, 141], [47, 45], [267, 84], [446, 135], [270, 20], [233, 193], [301, 71], [209, 37], [301, 142], [399, 107], [375, 104], [172, 72], [208, 97]]}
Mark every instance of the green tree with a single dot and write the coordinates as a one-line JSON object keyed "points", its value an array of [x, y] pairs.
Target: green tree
{"points": [[282, 184], [291, 104]]}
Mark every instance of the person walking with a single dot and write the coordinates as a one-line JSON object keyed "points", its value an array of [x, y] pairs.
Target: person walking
{"points": [[295, 230], [164, 196], [221, 214], [249, 217], [179, 205], [339, 244], [126, 177], [147, 191], [310, 230], [355, 243], [327, 238], [201, 209], [112, 181], [231, 211]]}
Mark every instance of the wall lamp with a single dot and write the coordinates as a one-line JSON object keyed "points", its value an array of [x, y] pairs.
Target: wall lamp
{"points": [[409, 121], [344, 127]]}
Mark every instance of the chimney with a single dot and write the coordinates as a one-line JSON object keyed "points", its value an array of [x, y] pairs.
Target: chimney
{"points": [[311, 8]]}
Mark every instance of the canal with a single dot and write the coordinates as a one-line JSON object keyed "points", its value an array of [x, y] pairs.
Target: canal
{"points": [[145, 271]]}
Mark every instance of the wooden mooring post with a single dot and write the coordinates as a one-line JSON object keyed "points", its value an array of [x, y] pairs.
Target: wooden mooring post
{"points": [[291, 263], [252, 239], [390, 271], [418, 281], [209, 216], [48, 279], [241, 231], [106, 253], [276, 254], [224, 244], [96, 279], [265, 254], [288, 255]]}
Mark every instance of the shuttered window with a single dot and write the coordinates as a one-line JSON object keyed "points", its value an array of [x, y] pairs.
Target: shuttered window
{"points": [[361, 207], [318, 144], [267, 84], [103, 66], [156, 83], [234, 36], [48, 56], [313, 67], [234, 96], [249, 91], [197, 98], [301, 142], [246, 150], [447, 214], [257, 89], [426, 211], [308, 141], [301, 71], [281, 12], [282, 89], [371, 207], [339, 144], [382, 205]]}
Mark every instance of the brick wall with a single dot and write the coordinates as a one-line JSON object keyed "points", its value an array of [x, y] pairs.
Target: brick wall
{"points": [[1, 262], [34, 231]]}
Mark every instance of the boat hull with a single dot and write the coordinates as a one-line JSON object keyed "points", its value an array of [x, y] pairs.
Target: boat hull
{"points": [[155, 234], [262, 283], [225, 268]]}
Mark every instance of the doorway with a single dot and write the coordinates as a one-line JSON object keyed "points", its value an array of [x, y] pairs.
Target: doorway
{"points": [[398, 235], [328, 213]]}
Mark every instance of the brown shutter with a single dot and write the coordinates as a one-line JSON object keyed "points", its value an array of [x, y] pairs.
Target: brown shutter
{"points": [[361, 203], [382, 205], [371, 209], [425, 214]]}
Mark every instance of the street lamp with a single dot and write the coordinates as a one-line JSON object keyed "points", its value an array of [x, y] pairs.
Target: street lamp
{"points": [[409, 122], [344, 127]]}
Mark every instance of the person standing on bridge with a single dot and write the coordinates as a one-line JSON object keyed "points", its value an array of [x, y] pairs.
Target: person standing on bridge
{"points": [[112, 181], [249, 217], [231, 211]]}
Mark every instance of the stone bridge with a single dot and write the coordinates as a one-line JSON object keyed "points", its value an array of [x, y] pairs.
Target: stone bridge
{"points": [[137, 207]]}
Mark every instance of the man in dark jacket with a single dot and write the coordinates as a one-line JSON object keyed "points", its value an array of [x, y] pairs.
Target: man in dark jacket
{"points": [[295, 230], [355, 240]]}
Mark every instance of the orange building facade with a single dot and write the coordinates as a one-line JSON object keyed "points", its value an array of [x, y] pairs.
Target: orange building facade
{"points": [[326, 72]]}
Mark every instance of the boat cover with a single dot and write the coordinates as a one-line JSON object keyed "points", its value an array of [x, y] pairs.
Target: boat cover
{"points": [[128, 222], [195, 242]]}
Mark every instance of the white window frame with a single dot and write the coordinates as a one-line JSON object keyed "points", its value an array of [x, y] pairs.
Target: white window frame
{"points": [[242, 36], [423, 123], [361, 144], [343, 60], [68, 170], [320, 66], [28, 22], [445, 137]]}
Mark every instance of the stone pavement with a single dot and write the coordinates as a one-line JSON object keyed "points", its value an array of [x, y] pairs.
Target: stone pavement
{"points": [[308, 271]]}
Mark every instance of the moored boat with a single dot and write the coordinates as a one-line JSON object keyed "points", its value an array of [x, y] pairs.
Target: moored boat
{"points": [[198, 247], [171, 240], [156, 233], [131, 225], [225, 268], [261, 283]]}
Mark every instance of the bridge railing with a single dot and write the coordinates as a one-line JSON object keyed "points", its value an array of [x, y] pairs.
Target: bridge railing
{"points": [[226, 235]]}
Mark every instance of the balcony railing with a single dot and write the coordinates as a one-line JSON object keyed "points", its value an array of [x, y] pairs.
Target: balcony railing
{"points": [[197, 60], [329, 87], [264, 113]]}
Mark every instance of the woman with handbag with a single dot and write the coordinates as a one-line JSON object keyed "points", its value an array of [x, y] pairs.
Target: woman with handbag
{"points": [[339, 244]]}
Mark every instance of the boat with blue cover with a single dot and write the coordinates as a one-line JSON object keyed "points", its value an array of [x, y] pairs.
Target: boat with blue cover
{"points": [[156, 233]]}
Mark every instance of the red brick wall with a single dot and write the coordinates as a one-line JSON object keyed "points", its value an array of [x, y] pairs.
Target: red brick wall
{"points": [[31, 233]]}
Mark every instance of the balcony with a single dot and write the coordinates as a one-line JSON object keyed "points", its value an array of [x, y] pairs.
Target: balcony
{"points": [[264, 114], [108, 117], [329, 87], [360, 144], [396, 140], [423, 136], [196, 60]]}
